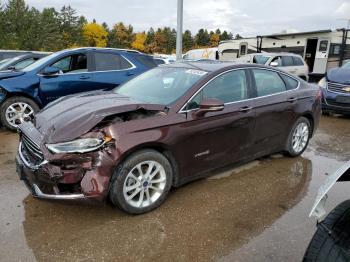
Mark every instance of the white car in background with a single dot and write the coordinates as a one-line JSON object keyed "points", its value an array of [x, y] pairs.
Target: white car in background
{"points": [[291, 63]]}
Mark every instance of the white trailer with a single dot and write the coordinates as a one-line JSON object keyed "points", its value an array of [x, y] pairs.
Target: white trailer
{"points": [[320, 49], [203, 53]]}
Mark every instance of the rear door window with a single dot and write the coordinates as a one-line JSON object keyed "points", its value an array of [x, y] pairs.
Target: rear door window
{"points": [[110, 62], [287, 61], [268, 82], [297, 61]]}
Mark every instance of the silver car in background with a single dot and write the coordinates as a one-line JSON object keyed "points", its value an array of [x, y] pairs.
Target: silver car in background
{"points": [[291, 63]]}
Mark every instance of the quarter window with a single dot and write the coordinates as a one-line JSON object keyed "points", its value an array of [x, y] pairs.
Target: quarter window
{"points": [[291, 83], [229, 87], [110, 62], [268, 82]]}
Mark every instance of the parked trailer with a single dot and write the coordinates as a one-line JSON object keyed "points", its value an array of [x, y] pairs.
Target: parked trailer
{"points": [[203, 53], [321, 50]]}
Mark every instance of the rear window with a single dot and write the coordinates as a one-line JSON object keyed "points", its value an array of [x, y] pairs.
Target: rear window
{"points": [[287, 61], [110, 62], [298, 61], [147, 61]]}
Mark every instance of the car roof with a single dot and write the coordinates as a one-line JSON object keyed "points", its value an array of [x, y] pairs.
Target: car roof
{"points": [[211, 66], [105, 49]]}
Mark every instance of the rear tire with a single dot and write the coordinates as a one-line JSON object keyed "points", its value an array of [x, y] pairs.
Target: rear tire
{"points": [[16, 110], [334, 247], [299, 137], [142, 182]]}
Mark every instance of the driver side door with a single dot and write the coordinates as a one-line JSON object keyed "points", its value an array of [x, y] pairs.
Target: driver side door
{"points": [[219, 138], [75, 76]]}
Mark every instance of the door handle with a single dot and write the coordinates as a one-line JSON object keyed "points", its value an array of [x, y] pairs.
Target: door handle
{"points": [[292, 99], [84, 77], [245, 109]]}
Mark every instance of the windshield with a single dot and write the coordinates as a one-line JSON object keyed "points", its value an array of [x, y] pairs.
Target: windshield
{"points": [[4, 63], [346, 65], [261, 59], [41, 62], [163, 85]]}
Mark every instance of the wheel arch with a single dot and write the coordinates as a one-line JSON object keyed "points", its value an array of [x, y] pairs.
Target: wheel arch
{"points": [[309, 116], [23, 94], [160, 148]]}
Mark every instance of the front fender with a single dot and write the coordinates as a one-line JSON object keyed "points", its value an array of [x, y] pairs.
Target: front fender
{"points": [[342, 174]]}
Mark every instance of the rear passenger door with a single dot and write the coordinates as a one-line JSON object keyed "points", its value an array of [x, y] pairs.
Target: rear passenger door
{"points": [[275, 107], [111, 69]]}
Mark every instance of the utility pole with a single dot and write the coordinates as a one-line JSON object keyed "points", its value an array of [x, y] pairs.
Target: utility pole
{"points": [[179, 30]]}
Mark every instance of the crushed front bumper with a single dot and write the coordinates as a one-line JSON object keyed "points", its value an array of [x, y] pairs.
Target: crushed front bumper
{"points": [[63, 176], [31, 179]]}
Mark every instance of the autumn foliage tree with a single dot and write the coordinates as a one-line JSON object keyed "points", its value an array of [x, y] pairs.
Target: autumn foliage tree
{"points": [[27, 28], [139, 42], [95, 35]]}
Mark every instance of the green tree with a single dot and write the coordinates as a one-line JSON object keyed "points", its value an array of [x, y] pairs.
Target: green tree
{"points": [[202, 38], [71, 26], [15, 22], [187, 40], [50, 38], [226, 36], [121, 36]]}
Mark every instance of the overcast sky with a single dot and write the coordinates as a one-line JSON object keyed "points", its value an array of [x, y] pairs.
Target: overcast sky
{"points": [[246, 17]]}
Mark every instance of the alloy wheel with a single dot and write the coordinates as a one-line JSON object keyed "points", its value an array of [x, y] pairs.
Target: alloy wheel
{"points": [[18, 113], [144, 184], [300, 137]]}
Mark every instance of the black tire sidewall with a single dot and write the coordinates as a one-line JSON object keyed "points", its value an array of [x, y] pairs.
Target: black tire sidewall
{"points": [[10, 101], [289, 146], [116, 186]]}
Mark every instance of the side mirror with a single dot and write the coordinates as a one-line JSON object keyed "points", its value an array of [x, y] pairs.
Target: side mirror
{"points": [[209, 105], [274, 64], [50, 71], [11, 68]]}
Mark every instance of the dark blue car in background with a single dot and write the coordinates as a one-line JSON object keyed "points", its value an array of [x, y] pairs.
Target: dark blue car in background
{"points": [[336, 90], [24, 92]]}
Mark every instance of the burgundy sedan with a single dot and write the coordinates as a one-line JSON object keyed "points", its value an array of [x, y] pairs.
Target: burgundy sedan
{"points": [[164, 128]]}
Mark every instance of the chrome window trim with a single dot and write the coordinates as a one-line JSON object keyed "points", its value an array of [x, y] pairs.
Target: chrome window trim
{"points": [[133, 66], [181, 111]]}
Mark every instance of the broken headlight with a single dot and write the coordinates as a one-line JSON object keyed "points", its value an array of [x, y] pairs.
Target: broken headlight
{"points": [[82, 145]]}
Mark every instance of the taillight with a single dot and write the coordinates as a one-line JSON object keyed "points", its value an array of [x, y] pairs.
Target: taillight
{"points": [[319, 94]]}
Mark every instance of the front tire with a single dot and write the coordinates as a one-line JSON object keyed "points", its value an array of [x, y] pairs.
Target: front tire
{"points": [[299, 137], [331, 242], [16, 110], [142, 182]]}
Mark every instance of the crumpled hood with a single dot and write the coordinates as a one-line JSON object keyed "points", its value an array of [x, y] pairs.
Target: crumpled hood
{"points": [[339, 75], [10, 74], [70, 117]]}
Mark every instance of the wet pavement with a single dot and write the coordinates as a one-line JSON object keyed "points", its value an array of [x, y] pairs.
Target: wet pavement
{"points": [[258, 212]]}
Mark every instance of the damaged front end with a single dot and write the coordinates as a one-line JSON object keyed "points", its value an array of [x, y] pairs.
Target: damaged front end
{"points": [[78, 169]]}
